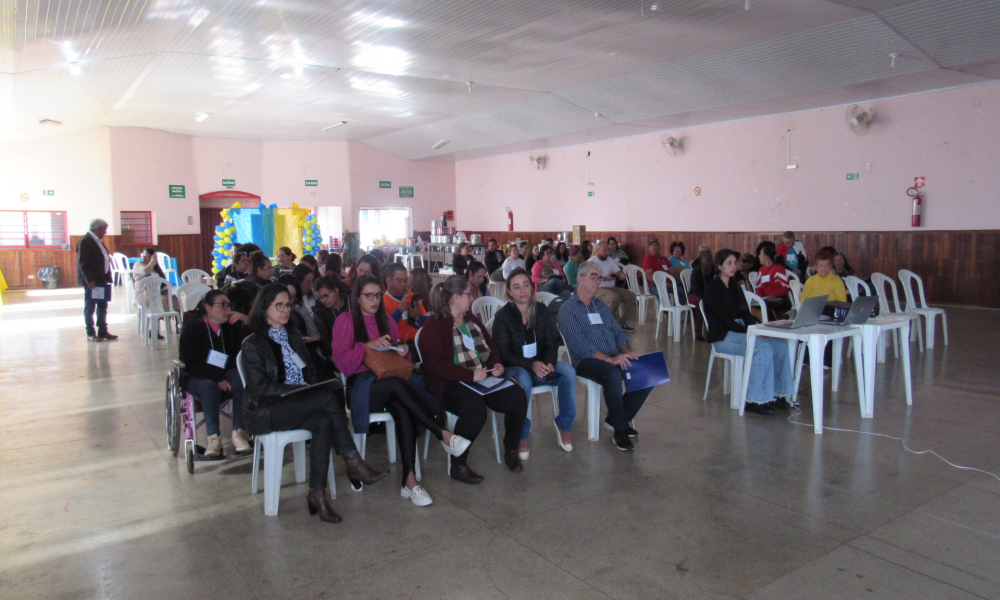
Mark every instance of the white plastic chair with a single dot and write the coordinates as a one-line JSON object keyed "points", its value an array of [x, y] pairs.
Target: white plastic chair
{"points": [[752, 299], [856, 287], [881, 283], [273, 445], [686, 280], [754, 278], [673, 307], [153, 311], [197, 276], [119, 268], [732, 374], [190, 294], [361, 439], [792, 277], [545, 298], [633, 274], [497, 289], [796, 291], [594, 393], [486, 307], [908, 278]]}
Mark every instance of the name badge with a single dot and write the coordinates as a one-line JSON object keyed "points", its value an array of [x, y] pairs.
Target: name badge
{"points": [[217, 359], [97, 293], [468, 342], [298, 361], [595, 318], [530, 350], [405, 315]]}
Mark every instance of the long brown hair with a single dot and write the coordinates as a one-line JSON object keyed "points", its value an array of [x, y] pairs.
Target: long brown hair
{"points": [[442, 293], [360, 329], [531, 300]]}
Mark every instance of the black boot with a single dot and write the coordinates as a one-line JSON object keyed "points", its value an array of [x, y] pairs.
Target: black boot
{"points": [[359, 471], [512, 461]]}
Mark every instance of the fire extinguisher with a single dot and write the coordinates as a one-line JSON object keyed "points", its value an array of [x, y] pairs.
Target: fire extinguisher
{"points": [[917, 206], [510, 219]]}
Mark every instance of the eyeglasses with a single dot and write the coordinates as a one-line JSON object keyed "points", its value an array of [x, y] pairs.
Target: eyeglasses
{"points": [[281, 306], [369, 296], [465, 293], [325, 296], [224, 305], [593, 276], [520, 286]]}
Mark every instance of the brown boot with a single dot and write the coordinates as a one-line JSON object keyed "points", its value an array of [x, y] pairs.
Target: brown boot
{"points": [[358, 469], [318, 502]]}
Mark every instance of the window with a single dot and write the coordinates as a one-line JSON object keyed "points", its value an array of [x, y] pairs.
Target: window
{"points": [[137, 228], [392, 224], [33, 229]]}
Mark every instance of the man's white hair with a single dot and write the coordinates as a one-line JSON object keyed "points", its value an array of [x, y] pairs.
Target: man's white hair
{"points": [[98, 224], [586, 267]]}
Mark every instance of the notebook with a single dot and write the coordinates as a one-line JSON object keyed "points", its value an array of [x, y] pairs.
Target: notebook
{"points": [[489, 385], [329, 384], [648, 371]]}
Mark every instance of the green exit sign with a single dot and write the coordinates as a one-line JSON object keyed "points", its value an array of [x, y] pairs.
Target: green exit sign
{"points": [[48, 192], [406, 191], [852, 176], [312, 182], [589, 194], [384, 185], [228, 183], [176, 191]]}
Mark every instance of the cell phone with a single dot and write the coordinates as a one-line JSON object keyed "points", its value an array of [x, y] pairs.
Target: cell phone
{"points": [[414, 298]]}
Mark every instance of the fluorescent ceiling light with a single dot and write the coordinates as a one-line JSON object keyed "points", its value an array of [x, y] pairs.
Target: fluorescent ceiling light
{"points": [[440, 144], [201, 117], [50, 122], [337, 124]]}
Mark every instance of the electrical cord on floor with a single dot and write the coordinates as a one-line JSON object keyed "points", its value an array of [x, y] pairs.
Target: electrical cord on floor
{"points": [[796, 412]]}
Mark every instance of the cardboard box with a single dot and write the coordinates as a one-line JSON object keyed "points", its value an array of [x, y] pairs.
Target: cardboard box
{"points": [[579, 233]]}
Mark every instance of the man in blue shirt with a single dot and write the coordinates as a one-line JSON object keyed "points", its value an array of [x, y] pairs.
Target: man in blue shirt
{"points": [[600, 352]]}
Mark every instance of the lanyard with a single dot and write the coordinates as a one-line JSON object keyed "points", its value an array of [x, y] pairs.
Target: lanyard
{"points": [[221, 339]]}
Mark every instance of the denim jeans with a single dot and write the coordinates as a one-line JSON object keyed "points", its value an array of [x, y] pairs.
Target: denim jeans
{"points": [[558, 287], [565, 389], [770, 370], [90, 306], [208, 392], [622, 408]]}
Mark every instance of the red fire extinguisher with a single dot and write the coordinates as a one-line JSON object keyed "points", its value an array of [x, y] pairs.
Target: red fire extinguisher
{"points": [[917, 206], [510, 219]]}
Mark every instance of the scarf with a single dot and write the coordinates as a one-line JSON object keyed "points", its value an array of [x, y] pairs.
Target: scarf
{"points": [[465, 357], [293, 374]]}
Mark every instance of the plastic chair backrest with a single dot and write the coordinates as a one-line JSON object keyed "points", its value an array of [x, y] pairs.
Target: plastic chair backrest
{"points": [[545, 298], [416, 344], [163, 260], [190, 294], [754, 277], [907, 278], [196, 276], [686, 280], [856, 287], [881, 281], [632, 274], [497, 275], [239, 367], [660, 279], [792, 277], [704, 318], [485, 307], [172, 275], [119, 262], [796, 291], [148, 293], [752, 299]]}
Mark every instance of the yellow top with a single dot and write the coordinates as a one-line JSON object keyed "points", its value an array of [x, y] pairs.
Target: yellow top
{"points": [[831, 285]]}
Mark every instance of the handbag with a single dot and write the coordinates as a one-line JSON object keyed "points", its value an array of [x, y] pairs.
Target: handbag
{"points": [[388, 364]]}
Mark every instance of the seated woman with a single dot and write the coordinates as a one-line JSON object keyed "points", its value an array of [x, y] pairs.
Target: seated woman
{"points": [[530, 257], [240, 270], [276, 362], [367, 326], [365, 265], [310, 261], [420, 285], [616, 252], [772, 285], [561, 255], [286, 261], [460, 260], [841, 267], [209, 342], [476, 274], [825, 282], [260, 268], [514, 261], [548, 275], [306, 275], [148, 265], [677, 250], [528, 340], [331, 302], [704, 271], [456, 349], [728, 318]]}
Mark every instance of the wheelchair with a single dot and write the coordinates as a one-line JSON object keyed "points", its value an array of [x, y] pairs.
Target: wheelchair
{"points": [[181, 412]]}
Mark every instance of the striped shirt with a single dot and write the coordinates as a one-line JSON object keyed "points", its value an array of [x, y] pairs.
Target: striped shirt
{"points": [[584, 339]]}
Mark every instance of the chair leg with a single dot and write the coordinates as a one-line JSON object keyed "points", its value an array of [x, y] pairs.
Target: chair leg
{"points": [[331, 481], [944, 327], [390, 439], [593, 410], [254, 483], [272, 478], [659, 317], [360, 440], [708, 377], [299, 454], [727, 376], [929, 319], [736, 397], [496, 436]]}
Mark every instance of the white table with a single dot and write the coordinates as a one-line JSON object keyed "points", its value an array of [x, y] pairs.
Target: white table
{"points": [[870, 333], [816, 338]]}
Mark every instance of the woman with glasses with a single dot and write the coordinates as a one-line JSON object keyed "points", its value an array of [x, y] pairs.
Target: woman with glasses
{"points": [[529, 342], [275, 363], [209, 342], [456, 350], [368, 326]]}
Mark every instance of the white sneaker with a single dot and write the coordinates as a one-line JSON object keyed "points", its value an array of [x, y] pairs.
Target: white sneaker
{"points": [[240, 443], [458, 445], [213, 446], [417, 495]]}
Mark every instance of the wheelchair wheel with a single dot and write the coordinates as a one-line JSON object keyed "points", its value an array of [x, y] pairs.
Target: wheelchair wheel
{"points": [[172, 411], [189, 452]]}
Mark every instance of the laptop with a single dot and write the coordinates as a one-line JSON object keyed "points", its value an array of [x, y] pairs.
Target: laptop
{"points": [[808, 314], [648, 371], [859, 314]]}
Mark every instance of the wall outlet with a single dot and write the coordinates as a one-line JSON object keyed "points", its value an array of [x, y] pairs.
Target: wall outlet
{"points": [[190, 220], [684, 198]]}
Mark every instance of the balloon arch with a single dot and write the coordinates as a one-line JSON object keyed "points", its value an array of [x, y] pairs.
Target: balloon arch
{"points": [[269, 227]]}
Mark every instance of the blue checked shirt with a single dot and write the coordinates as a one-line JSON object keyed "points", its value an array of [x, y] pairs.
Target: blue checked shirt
{"points": [[584, 339]]}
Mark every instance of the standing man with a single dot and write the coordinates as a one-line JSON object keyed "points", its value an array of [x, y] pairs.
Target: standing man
{"points": [[93, 272], [614, 297], [600, 352], [494, 257]]}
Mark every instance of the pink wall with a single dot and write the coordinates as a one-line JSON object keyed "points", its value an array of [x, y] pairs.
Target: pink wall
{"points": [[77, 167], [952, 137], [217, 159], [433, 185], [144, 164], [286, 166]]}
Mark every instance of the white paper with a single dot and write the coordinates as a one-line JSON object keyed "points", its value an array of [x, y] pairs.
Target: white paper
{"points": [[388, 348], [468, 342], [530, 350], [97, 293], [595, 318], [217, 359], [491, 381]]}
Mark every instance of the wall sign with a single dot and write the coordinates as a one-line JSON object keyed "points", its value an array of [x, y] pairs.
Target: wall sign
{"points": [[385, 185], [176, 191], [406, 191], [48, 192], [450, 215], [589, 194], [852, 176], [312, 182], [228, 183], [697, 190], [919, 182]]}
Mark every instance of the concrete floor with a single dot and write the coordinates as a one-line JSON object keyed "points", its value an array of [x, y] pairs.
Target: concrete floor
{"points": [[710, 505]]}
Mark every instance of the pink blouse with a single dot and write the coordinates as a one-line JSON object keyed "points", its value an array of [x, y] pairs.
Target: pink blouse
{"points": [[348, 356]]}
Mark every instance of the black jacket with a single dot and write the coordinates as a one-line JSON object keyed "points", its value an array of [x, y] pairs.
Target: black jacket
{"points": [[459, 263], [723, 305], [324, 319], [510, 334], [90, 262], [264, 368], [494, 260], [197, 339], [698, 282]]}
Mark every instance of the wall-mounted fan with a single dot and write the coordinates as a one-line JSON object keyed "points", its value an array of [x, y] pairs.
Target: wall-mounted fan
{"points": [[859, 119], [671, 144], [539, 160]]}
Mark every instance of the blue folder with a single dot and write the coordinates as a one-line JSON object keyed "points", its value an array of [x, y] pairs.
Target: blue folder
{"points": [[649, 371]]}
